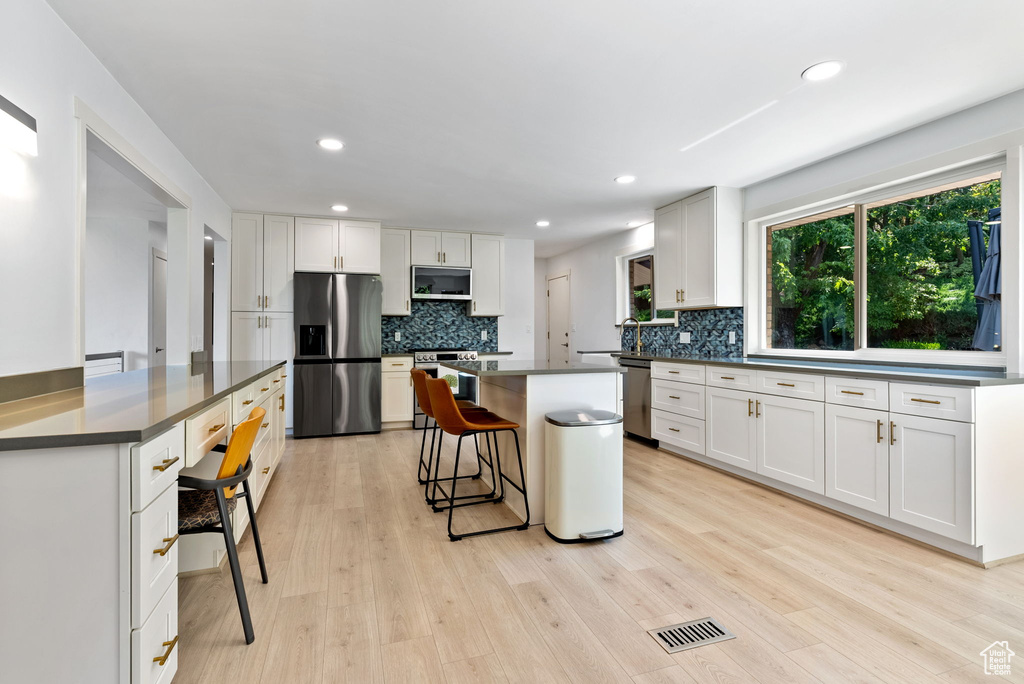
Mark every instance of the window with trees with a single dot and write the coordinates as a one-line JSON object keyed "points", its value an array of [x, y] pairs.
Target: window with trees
{"points": [[640, 276], [928, 265]]}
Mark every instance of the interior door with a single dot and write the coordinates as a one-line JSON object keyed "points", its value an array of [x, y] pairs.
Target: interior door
{"points": [[791, 441], [732, 427], [559, 342], [247, 251], [278, 262], [158, 312]]}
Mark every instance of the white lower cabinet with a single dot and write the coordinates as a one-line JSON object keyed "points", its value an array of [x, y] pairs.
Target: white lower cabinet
{"points": [[155, 644], [396, 390], [154, 554], [931, 465], [791, 441], [857, 457], [731, 429]]}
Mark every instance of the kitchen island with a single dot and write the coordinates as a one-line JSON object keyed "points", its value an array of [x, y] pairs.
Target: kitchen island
{"points": [[524, 392]]}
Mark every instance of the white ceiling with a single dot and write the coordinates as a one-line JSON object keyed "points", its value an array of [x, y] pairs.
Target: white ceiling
{"points": [[491, 114]]}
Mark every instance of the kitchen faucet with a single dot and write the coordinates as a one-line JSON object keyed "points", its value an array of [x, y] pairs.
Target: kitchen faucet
{"points": [[639, 343]]}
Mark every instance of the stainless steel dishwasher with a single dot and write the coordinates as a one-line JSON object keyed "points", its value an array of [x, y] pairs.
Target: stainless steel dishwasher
{"points": [[636, 396]]}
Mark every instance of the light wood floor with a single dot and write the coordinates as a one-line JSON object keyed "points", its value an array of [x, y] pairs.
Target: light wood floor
{"points": [[365, 587]]}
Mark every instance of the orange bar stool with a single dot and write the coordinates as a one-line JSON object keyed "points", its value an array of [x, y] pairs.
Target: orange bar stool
{"points": [[454, 422], [419, 381], [212, 495]]}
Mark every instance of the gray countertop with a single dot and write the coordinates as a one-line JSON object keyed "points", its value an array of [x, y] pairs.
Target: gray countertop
{"points": [[509, 367], [971, 377], [122, 407], [489, 353]]}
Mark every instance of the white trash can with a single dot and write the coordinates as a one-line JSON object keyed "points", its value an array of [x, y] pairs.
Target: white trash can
{"points": [[583, 475]]}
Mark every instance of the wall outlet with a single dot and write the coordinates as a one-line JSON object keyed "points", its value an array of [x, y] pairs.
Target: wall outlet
{"points": [[684, 338], [398, 336], [732, 337], [483, 334]]}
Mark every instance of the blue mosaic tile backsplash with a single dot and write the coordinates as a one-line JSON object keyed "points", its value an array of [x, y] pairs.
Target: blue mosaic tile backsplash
{"points": [[709, 334], [435, 325]]}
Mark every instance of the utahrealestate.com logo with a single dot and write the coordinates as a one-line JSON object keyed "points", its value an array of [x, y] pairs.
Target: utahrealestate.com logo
{"points": [[997, 658]]}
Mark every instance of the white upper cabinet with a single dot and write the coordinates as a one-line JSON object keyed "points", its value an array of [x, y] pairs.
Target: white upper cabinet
{"points": [[246, 336], [698, 251], [316, 245], [437, 248], [395, 271], [278, 263], [262, 262], [488, 276], [332, 246]]}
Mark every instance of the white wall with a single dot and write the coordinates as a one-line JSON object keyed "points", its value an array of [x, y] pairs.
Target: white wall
{"points": [[45, 67], [515, 328], [592, 287], [540, 311]]}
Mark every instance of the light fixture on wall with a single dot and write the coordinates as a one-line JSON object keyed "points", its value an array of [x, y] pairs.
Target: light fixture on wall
{"points": [[17, 128]]}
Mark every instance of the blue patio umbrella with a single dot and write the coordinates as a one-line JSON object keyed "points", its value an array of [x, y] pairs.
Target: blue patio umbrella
{"points": [[989, 291]]}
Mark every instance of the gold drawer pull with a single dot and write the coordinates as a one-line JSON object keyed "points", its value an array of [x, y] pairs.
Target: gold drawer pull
{"points": [[673, 429], [880, 436], [277, 381], [727, 377], [674, 372], [925, 401], [246, 402], [750, 407], [785, 384], [859, 394], [162, 660], [398, 364], [266, 470], [284, 375], [169, 541], [165, 464], [266, 424], [672, 397], [264, 389], [216, 427]]}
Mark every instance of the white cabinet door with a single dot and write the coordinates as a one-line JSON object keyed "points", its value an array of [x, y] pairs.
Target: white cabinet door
{"points": [[457, 249], [395, 274], [246, 336], [246, 262], [279, 345], [488, 275], [396, 397], [791, 441], [698, 251], [278, 262], [857, 457], [731, 427], [931, 466], [426, 247], [667, 271], [359, 246], [316, 245]]}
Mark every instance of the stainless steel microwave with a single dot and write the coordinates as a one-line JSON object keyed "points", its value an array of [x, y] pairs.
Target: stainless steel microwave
{"points": [[442, 282]]}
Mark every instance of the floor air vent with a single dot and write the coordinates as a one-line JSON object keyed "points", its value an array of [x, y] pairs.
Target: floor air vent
{"points": [[685, 635]]}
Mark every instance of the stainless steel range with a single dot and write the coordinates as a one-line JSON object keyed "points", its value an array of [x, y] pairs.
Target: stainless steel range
{"points": [[428, 360]]}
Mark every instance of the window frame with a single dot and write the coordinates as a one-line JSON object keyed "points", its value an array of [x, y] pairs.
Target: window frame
{"points": [[756, 320], [622, 290]]}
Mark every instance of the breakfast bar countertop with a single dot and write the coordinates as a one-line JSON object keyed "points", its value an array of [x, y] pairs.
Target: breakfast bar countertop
{"points": [[123, 407], [510, 367]]}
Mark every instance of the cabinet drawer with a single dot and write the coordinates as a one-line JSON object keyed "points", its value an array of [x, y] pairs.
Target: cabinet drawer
{"points": [[797, 385], [154, 553], [399, 364], [155, 465], [276, 380], [205, 430], [678, 397], [242, 402], [263, 388], [156, 639], [682, 372], [872, 394], [932, 401], [732, 378], [680, 431], [265, 434]]}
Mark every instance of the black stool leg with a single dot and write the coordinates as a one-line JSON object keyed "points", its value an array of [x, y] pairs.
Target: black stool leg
{"points": [[423, 446], [255, 530], [451, 498], [236, 571], [522, 480]]}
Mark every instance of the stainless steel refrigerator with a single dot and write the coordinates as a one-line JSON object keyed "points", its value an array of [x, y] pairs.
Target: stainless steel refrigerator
{"points": [[337, 354]]}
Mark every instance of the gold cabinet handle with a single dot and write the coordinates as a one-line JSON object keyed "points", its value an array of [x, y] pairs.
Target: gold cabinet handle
{"points": [[892, 433], [682, 295], [438, 257], [284, 375], [758, 411], [727, 377], [266, 424], [859, 394], [750, 407], [266, 302], [264, 389], [168, 543], [246, 402], [880, 436], [282, 399], [216, 427], [335, 262], [398, 364], [259, 321], [406, 304], [474, 306], [925, 401], [341, 262], [266, 470], [277, 381], [165, 464], [785, 384], [672, 397], [674, 372], [673, 429], [162, 660], [444, 257]]}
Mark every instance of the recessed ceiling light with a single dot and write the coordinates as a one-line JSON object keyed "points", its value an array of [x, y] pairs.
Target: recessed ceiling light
{"points": [[208, 237], [543, 224], [339, 207], [625, 179], [332, 144], [636, 224], [822, 71]]}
